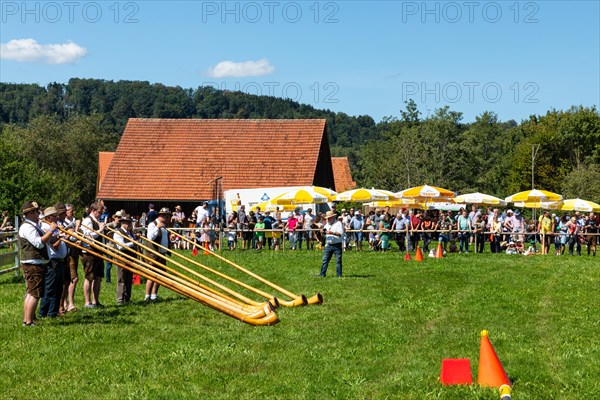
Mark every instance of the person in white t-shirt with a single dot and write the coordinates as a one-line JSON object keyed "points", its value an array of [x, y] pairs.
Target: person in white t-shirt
{"points": [[334, 232], [201, 213]]}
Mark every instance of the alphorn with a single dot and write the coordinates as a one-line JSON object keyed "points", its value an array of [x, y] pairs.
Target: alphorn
{"points": [[297, 300], [273, 299], [163, 279], [252, 311], [244, 299]]}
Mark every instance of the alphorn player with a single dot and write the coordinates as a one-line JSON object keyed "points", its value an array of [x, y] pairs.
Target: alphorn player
{"points": [[32, 241], [57, 252], [72, 224], [157, 233], [93, 267], [126, 241]]}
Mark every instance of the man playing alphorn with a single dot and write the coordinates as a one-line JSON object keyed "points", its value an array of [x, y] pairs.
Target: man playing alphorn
{"points": [[157, 233], [93, 267], [32, 241]]}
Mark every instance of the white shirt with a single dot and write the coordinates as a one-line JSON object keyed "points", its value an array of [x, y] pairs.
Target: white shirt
{"points": [[86, 228], [201, 213], [336, 227], [308, 220], [123, 239], [53, 253], [28, 231], [153, 232]]}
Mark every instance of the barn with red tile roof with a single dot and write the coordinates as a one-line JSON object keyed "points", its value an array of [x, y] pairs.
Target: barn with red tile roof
{"points": [[169, 161]]}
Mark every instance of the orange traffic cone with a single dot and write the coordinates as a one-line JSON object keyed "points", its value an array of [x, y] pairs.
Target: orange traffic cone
{"points": [[419, 255], [407, 256], [439, 253], [490, 372], [137, 280], [195, 251], [205, 247]]}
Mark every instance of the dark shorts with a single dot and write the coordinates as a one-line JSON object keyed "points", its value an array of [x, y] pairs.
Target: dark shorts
{"points": [[73, 262], [35, 279], [93, 267], [158, 262]]}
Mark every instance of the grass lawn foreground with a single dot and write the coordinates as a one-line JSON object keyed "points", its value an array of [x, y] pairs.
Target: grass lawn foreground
{"points": [[380, 334]]}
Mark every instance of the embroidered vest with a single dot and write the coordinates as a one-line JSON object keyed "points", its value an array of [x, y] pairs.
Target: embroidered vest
{"points": [[29, 251]]}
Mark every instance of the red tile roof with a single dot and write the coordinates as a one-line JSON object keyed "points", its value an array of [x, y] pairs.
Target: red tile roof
{"points": [[104, 160], [175, 159], [342, 174]]}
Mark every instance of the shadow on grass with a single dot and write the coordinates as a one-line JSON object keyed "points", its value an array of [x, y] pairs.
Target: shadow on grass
{"points": [[12, 280], [114, 314], [359, 276]]}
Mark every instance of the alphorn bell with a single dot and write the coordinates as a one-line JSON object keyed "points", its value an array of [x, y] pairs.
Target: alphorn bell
{"points": [[297, 300]]}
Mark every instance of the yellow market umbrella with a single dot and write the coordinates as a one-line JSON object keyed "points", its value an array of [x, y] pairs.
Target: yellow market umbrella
{"points": [[579, 205], [426, 193], [271, 206], [300, 196], [479, 198], [410, 203], [361, 195], [324, 191], [444, 206], [545, 205], [534, 196]]}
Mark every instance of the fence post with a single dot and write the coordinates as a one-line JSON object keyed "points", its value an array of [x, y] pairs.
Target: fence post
{"points": [[17, 248]]}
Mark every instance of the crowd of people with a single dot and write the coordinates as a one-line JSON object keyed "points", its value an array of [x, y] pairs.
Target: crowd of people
{"points": [[462, 231]]}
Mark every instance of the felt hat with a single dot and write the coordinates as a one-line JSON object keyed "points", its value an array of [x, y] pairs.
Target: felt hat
{"points": [[29, 206], [164, 211]]}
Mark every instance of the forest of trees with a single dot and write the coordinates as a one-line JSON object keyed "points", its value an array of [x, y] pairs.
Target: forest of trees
{"points": [[50, 137]]}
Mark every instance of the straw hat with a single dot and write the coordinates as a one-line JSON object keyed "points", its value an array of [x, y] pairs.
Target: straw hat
{"points": [[50, 211], [329, 214]]}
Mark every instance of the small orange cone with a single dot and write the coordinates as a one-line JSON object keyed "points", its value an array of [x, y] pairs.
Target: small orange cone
{"points": [[419, 255], [205, 247], [407, 256], [137, 280], [195, 251], [490, 372], [439, 253]]}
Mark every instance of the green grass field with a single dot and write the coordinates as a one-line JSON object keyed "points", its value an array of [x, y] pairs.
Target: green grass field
{"points": [[380, 334]]}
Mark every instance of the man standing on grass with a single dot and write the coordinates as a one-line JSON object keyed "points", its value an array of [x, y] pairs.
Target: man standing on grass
{"points": [[157, 233], [126, 242], [50, 304], [334, 231], [32, 241], [93, 267]]}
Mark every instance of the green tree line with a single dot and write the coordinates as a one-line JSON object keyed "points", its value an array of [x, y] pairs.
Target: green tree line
{"points": [[50, 137]]}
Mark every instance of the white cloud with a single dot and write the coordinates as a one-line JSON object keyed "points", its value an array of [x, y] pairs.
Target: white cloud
{"points": [[226, 69], [26, 50]]}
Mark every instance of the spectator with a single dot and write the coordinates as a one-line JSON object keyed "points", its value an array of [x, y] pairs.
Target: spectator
{"points": [[356, 224], [463, 225], [152, 214]]}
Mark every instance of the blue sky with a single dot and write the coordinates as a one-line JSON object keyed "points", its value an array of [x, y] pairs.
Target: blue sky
{"points": [[358, 57]]}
